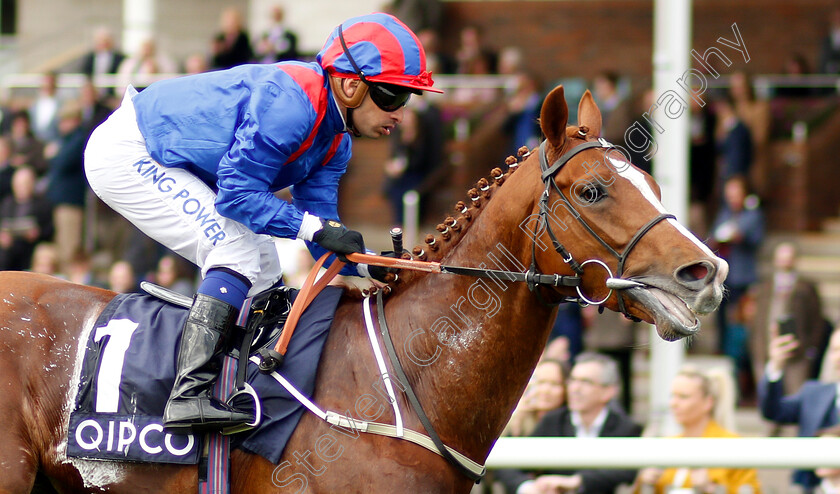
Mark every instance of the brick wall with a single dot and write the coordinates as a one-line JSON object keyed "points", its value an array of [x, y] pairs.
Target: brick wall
{"points": [[578, 39]]}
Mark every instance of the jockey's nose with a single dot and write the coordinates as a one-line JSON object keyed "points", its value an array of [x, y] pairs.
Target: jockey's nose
{"points": [[697, 275], [397, 115]]}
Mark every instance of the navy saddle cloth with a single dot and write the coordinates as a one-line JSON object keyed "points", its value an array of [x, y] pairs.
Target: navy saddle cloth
{"points": [[129, 369]]}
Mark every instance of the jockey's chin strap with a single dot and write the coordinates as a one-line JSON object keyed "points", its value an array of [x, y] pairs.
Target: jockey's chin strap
{"points": [[618, 283]]}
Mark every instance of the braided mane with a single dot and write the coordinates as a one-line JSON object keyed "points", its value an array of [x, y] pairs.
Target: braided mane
{"points": [[452, 229]]}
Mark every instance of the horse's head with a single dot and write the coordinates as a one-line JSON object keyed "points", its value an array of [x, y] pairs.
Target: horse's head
{"points": [[634, 256]]}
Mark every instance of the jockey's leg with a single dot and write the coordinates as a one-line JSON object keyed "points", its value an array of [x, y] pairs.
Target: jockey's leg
{"points": [[213, 315]]}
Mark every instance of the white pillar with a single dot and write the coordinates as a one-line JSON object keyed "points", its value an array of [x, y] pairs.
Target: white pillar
{"points": [[138, 24], [411, 218], [671, 51]]}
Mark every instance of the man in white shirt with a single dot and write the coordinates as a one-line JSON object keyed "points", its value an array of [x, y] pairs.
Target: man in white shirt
{"points": [[593, 385]]}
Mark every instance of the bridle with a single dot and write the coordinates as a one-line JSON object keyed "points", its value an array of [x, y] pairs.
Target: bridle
{"points": [[617, 283]]}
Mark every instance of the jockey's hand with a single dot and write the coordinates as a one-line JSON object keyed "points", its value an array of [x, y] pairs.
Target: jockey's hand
{"points": [[335, 237], [381, 273]]}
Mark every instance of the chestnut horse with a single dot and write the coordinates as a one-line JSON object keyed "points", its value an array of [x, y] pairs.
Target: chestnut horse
{"points": [[468, 345]]}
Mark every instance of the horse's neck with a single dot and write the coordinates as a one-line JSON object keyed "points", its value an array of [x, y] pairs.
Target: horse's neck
{"points": [[489, 333]]}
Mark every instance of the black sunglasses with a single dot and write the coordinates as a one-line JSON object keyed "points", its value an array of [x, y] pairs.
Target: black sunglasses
{"points": [[388, 97]]}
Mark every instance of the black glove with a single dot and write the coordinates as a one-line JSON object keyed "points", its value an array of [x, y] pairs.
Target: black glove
{"points": [[337, 238], [380, 273]]}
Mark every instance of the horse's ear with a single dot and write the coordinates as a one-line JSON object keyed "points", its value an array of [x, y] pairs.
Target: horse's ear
{"points": [[554, 116], [589, 115]]}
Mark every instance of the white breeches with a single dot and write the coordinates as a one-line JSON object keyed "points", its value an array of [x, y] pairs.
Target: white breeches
{"points": [[171, 205]]}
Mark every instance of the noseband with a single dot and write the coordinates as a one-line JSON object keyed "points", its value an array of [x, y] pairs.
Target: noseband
{"points": [[618, 283]]}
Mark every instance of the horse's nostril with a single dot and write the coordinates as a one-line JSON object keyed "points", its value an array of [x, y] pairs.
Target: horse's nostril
{"points": [[694, 272]]}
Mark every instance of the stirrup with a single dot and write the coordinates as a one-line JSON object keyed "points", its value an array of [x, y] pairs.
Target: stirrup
{"points": [[252, 393]]}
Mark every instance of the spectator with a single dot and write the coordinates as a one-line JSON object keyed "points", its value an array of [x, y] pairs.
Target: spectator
{"points": [[559, 349], [7, 111], [437, 61], [418, 15], [93, 107], [231, 46], [616, 110], [812, 407], [614, 335], [738, 347], [522, 122], [737, 233], [417, 151], [701, 168], [702, 403], [43, 112], [830, 52], [592, 386], [175, 273], [146, 62], [27, 150], [279, 43], [25, 220], [196, 64], [755, 114], [640, 148], [80, 270], [103, 58], [472, 56], [6, 167], [545, 391], [121, 278], [568, 326], [790, 296], [66, 184], [45, 259], [734, 142]]}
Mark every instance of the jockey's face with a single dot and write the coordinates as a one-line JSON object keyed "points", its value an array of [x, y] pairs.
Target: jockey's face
{"points": [[371, 121], [368, 119]]}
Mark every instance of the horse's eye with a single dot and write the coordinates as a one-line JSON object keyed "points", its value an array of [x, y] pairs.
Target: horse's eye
{"points": [[591, 193]]}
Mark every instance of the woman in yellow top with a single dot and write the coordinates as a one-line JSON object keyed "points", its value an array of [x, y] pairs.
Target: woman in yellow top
{"points": [[703, 404]]}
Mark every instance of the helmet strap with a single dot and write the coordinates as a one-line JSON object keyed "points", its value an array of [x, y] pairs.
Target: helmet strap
{"points": [[351, 126], [350, 102]]}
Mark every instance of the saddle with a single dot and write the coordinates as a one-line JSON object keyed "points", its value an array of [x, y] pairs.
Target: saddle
{"points": [[128, 370]]}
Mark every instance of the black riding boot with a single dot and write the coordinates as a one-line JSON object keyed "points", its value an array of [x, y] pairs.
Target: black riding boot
{"points": [[191, 406]]}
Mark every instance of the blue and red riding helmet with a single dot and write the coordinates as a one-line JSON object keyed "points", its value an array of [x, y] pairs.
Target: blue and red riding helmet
{"points": [[383, 48]]}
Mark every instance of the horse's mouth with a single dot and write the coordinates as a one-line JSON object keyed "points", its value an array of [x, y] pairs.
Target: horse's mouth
{"points": [[673, 317]]}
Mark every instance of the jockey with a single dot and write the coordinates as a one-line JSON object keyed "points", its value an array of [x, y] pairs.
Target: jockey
{"points": [[194, 161]]}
